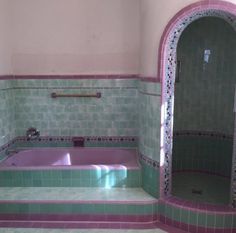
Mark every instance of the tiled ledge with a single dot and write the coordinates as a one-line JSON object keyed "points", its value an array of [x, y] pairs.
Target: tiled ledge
{"points": [[79, 195]]}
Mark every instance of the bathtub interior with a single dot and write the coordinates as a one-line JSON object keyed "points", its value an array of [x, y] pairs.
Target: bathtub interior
{"points": [[93, 166]]}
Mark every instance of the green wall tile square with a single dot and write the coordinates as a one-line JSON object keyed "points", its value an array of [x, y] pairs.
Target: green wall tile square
{"points": [[211, 220]]}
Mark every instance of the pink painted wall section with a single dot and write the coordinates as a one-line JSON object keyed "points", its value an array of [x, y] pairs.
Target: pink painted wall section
{"points": [[5, 38], [76, 37], [155, 16]]}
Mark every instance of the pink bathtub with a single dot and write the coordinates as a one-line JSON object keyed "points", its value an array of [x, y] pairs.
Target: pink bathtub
{"points": [[72, 158]]}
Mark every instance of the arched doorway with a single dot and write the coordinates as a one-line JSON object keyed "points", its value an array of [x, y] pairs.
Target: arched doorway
{"points": [[167, 73], [203, 112]]}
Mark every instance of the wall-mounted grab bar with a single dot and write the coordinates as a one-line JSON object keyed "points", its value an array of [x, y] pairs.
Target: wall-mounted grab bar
{"points": [[97, 95]]}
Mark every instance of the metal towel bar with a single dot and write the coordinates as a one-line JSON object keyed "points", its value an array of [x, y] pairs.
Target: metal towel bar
{"points": [[97, 95]]}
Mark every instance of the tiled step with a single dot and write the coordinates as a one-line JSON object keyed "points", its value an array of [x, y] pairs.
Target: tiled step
{"points": [[77, 207]]}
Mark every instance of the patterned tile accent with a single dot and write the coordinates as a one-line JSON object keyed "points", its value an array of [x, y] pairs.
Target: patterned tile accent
{"points": [[149, 162]]}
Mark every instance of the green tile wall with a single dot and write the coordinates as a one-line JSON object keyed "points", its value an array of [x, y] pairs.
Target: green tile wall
{"points": [[71, 178], [204, 95], [7, 127], [150, 179], [115, 114], [149, 119], [211, 219], [208, 154]]}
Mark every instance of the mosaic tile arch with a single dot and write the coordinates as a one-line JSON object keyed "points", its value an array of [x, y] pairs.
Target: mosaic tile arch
{"points": [[167, 66]]}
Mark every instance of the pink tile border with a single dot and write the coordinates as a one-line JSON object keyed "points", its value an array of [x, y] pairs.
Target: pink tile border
{"points": [[78, 76], [67, 218], [6, 77], [69, 76]]}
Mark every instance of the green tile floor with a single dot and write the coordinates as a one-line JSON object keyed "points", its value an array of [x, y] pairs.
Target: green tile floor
{"points": [[74, 194], [215, 189]]}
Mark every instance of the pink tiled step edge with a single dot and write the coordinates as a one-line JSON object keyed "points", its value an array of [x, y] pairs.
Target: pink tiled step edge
{"points": [[88, 225]]}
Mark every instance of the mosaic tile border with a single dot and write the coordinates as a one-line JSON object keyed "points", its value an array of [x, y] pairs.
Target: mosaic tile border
{"points": [[8, 145], [86, 138], [149, 162], [210, 134], [46, 139], [166, 74]]}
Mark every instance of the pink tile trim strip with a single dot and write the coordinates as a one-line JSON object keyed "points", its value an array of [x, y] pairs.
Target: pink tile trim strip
{"points": [[80, 218], [6, 77], [77, 225], [123, 76]]}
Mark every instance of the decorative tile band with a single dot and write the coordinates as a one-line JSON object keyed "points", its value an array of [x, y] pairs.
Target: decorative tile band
{"points": [[69, 139], [210, 134], [8, 145], [149, 162], [86, 138]]}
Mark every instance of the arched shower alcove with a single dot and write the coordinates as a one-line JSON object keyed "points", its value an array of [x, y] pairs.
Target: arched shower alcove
{"points": [[167, 74], [203, 112]]}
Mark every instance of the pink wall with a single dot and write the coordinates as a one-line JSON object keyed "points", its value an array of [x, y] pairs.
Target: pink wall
{"points": [[5, 38], [83, 36], [155, 15], [76, 36]]}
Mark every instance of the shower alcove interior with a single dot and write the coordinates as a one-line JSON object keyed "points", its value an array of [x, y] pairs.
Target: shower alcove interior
{"points": [[203, 112]]}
